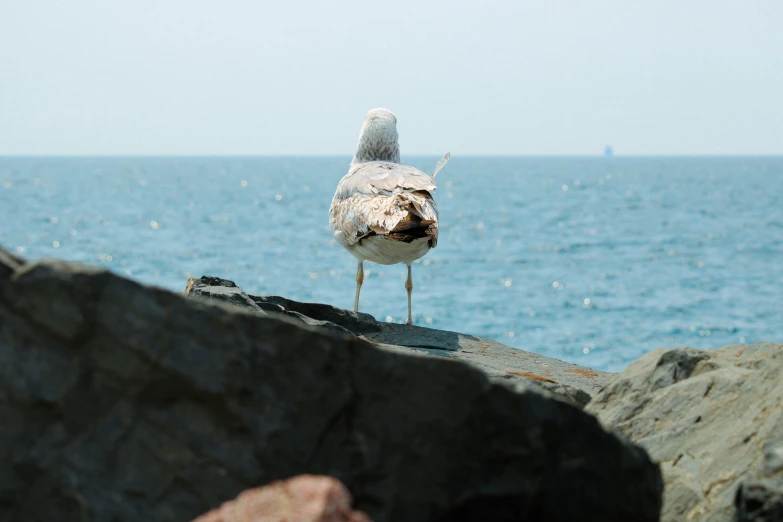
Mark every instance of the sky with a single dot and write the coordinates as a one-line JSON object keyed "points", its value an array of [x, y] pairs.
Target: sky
{"points": [[194, 77]]}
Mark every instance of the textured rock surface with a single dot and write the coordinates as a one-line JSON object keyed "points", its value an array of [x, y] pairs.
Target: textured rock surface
{"points": [[714, 419], [123, 402], [569, 382], [306, 498]]}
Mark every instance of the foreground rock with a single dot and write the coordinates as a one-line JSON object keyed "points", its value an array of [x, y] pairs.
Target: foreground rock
{"points": [[569, 382], [124, 402], [305, 498], [714, 419]]}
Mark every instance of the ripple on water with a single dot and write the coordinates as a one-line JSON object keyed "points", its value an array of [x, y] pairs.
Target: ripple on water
{"points": [[590, 260]]}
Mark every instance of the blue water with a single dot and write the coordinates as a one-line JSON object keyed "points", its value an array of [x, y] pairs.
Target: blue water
{"points": [[591, 260]]}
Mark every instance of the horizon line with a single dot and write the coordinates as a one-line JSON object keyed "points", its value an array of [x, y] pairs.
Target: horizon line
{"points": [[337, 155]]}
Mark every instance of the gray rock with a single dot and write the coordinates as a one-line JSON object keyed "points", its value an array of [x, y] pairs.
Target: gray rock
{"points": [[226, 291], [524, 370], [714, 420], [358, 323], [125, 402], [569, 382], [8, 263], [759, 500]]}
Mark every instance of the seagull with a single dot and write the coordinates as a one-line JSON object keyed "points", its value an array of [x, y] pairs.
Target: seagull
{"points": [[383, 211]]}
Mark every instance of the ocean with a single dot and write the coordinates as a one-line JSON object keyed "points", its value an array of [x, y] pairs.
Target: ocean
{"points": [[591, 260]]}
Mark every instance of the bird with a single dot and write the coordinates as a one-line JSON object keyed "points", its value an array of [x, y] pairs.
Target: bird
{"points": [[382, 211]]}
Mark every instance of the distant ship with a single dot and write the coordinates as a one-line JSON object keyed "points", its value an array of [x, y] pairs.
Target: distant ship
{"points": [[608, 152]]}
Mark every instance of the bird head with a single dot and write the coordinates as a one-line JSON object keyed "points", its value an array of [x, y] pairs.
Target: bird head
{"points": [[378, 140]]}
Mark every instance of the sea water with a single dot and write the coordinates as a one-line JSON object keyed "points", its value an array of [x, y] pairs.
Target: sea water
{"points": [[591, 260]]}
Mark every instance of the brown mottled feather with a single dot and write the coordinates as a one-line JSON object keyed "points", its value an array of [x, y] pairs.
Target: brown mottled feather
{"points": [[412, 226], [387, 200]]}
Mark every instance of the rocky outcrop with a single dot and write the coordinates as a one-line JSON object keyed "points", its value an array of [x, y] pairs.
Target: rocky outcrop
{"points": [[125, 402], [524, 370], [305, 498], [714, 420]]}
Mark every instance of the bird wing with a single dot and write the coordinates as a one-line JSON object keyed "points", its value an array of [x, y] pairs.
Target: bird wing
{"points": [[374, 197], [382, 177]]}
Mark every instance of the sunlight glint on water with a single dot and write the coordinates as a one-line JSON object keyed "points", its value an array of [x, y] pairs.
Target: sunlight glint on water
{"points": [[591, 260]]}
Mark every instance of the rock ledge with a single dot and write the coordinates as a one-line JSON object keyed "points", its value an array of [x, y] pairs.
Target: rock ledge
{"points": [[125, 402]]}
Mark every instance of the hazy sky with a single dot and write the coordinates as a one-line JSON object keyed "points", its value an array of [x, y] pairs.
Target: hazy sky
{"points": [[516, 77]]}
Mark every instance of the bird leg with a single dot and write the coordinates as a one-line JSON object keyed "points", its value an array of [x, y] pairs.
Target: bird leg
{"points": [[409, 288], [359, 281]]}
